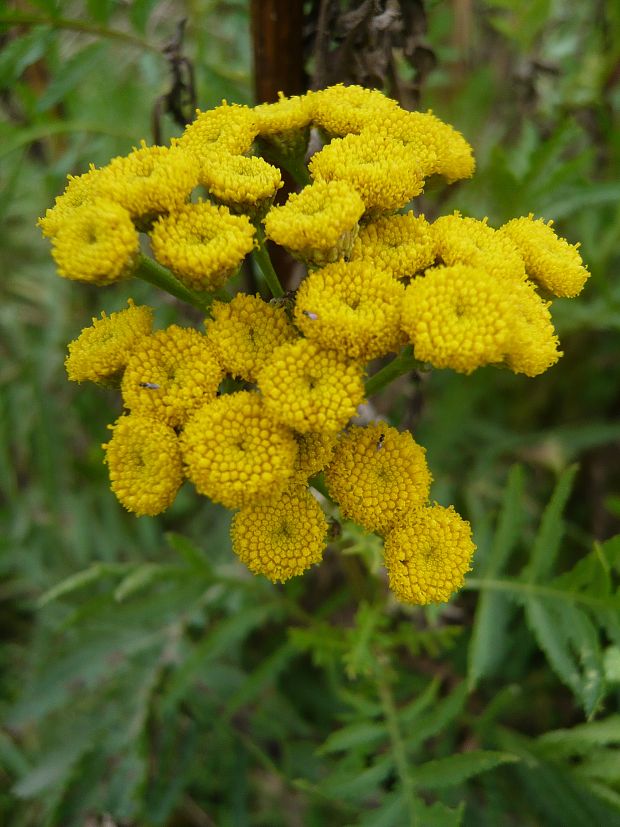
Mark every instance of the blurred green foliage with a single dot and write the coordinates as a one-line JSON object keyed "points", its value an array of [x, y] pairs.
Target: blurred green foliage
{"points": [[148, 679]]}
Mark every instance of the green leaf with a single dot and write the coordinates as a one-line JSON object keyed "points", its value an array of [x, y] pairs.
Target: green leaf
{"points": [[444, 712], [358, 786], [81, 579], [74, 71], [143, 576], [580, 739], [547, 542], [193, 556], [354, 735], [454, 769], [488, 635]]}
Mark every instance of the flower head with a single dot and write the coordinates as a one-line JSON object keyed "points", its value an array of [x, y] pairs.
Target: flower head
{"points": [[81, 189], [235, 453], [468, 241], [339, 109], [427, 555], [245, 332], [380, 168], [96, 243], [459, 317], [228, 128], [101, 351], [377, 475], [318, 224], [444, 149], [202, 244], [144, 462], [281, 538], [314, 451], [246, 185], [533, 345], [150, 181], [353, 308], [311, 389], [550, 261], [399, 244], [286, 123], [170, 374]]}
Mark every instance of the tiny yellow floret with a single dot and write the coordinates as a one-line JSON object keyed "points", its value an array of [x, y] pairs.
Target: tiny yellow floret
{"points": [[236, 453], [311, 389], [80, 189], [286, 123], [550, 261], [533, 344], [245, 332], [377, 475], [282, 538], [170, 374], [428, 554], [144, 461], [101, 351], [96, 243], [314, 452], [353, 308], [202, 244], [229, 128]]}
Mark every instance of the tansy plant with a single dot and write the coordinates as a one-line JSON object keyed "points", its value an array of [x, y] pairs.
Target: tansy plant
{"points": [[456, 293]]}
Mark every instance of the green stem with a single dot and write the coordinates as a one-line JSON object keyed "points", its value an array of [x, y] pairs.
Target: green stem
{"points": [[261, 256], [297, 170], [403, 363], [398, 745], [78, 26], [154, 273]]}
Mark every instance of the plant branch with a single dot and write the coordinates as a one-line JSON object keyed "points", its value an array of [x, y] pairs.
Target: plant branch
{"points": [[154, 273], [403, 363], [261, 257]]}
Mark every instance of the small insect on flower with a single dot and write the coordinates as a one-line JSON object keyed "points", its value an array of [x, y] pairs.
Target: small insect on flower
{"points": [[150, 385], [312, 316], [380, 441]]}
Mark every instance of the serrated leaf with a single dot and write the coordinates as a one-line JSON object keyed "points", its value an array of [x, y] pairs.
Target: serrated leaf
{"points": [[487, 641], [81, 579], [454, 769], [193, 556], [547, 541], [143, 576], [570, 642], [444, 712], [360, 785], [580, 739], [392, 812], [353, 735]]}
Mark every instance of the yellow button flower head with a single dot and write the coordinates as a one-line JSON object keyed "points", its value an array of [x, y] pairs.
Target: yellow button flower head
{"points": [[97, 243], [382, 169], [377, 475], [101, 351], [399, 244], [286, 123], [428, 554], [170, 374], [244, 333], [311, 389], [459, 317], [235, 453], [144, 461], [533, 345], [353, 308], [550, 260], [339, 110], [314, 451], [282, 538], [454, 156], [468, 241], [150, 181], [242, 184], [202, 244], [318, 224], [226, 128], [81, 189]]}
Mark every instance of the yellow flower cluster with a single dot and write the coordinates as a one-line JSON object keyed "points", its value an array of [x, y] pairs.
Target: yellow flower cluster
{"points": [[251, 410]]}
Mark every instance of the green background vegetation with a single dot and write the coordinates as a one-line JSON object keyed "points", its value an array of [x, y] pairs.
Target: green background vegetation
{"points": [[145, 676]]}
